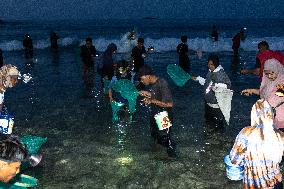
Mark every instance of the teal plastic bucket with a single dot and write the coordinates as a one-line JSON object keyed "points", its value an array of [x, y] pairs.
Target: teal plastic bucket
{"points": [[234, 172]]}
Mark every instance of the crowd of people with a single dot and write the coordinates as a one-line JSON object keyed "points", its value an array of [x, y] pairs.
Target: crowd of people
{"points": [[252, 144]]}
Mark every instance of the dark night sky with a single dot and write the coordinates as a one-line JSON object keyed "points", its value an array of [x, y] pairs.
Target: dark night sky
{"points": [[125, 9]]}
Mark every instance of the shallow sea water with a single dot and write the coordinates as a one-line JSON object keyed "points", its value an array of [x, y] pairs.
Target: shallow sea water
{"points": [[84, 148]]}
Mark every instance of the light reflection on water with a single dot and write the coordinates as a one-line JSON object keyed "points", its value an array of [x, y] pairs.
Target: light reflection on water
{"points": [[84, 144]]}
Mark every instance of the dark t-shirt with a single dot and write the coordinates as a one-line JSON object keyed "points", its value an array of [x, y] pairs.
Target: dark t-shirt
{"points": [[182, 50], [137, 57], [87, 54], [160, 91], [28, 43]]}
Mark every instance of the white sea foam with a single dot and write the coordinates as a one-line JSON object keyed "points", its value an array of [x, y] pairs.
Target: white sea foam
{"points": [[160, 44]]}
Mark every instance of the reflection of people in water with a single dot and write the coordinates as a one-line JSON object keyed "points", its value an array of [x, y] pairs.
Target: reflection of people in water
{"points": [[214, 33], [53, 40], [28, 46]]}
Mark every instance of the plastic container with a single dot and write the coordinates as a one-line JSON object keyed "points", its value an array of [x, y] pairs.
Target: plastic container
{"points": [[162, 120], [6, 124], [234, 172]]}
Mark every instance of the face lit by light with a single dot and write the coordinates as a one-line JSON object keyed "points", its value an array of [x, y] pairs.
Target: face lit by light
{"points": [[145, 79], [122, 70], [14, 80], [271, 75], [8, 170], [211, 66], [89, 44]]}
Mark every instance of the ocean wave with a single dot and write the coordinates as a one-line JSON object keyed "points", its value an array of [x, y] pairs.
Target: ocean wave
{"points": [[160, 45]]}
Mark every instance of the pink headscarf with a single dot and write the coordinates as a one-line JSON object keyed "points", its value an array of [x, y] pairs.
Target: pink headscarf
{"points": [[268, 89]]}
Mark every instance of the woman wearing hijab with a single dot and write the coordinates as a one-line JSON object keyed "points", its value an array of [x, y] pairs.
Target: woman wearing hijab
{"points": [[273, 76], [8, 78], [259, 148]]}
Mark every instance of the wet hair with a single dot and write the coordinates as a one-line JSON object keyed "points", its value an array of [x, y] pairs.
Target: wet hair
{"points": [[140, 40], [89, 39], [144, 70], [215, 59], [122, 63], [183, 38], [112, 47], [263, 44], [11, 149]]}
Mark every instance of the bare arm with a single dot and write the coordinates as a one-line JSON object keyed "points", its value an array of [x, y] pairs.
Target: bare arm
{"points": [[158, 103], [255, 71], [249, 92], [110, 95]]}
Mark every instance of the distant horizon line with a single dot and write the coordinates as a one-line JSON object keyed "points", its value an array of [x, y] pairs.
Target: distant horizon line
{"points": [[142, 18]]}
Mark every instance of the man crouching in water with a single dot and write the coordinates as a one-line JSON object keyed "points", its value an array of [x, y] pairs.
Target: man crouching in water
{"points": [[159, 98], [12, 153]]}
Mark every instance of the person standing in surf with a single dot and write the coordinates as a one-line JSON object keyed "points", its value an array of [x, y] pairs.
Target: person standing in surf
{"points": [[28, 46], [182, 50], [159, 98], [240, 36], [216, 78], [88, 52]]}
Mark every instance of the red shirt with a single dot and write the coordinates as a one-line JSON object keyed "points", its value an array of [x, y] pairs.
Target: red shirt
{"points": [[269, 54]]}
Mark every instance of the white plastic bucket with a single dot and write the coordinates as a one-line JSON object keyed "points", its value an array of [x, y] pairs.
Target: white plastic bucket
{"points": [[234, 172], [6, 124], [162, 120]]}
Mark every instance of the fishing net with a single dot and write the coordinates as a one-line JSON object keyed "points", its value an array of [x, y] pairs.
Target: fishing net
{"points": [[128, 91], [115, 106], [33, 143], [224, 98], [178, 75], [106, 85]]}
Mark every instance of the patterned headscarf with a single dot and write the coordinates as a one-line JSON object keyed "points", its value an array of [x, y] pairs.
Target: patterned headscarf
{"points": [[262, 115], [6, 72], [263, 133]]}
